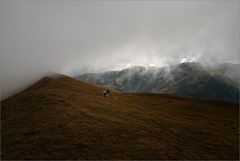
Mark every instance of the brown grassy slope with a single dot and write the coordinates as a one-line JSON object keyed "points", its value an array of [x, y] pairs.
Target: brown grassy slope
{"points": [[62, 118]]}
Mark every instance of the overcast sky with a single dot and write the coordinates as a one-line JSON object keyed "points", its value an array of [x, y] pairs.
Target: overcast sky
{"points": [[73, 37]]}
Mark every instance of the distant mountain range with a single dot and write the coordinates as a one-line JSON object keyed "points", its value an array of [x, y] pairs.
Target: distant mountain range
{"points": [[219, 82]]}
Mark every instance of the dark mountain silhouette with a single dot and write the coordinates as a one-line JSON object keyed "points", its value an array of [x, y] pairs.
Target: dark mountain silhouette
{"points": [[186, 79], [61, 118]]}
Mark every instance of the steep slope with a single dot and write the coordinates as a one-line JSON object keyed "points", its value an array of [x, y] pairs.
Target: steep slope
{"points": [[229, 70], [63, 118], [186, 79]]}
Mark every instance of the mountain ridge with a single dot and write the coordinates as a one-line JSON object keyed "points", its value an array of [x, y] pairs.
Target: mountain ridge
{"points": [[64, 118], [185, 79]]}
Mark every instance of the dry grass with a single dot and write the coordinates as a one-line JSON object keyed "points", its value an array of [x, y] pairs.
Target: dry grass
{"points": [[62, 118]]}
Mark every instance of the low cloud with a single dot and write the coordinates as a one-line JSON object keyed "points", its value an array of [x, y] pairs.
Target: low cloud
{"points": [[74, 37]]}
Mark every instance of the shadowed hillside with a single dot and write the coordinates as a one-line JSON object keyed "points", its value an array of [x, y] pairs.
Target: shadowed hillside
{"points": [[63, 118]]}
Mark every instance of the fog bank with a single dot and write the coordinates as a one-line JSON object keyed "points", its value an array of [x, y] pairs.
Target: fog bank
{"points": [[74, 37]]}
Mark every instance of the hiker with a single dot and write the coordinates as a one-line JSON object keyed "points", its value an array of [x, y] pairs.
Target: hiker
{"points": [[104, 92]]}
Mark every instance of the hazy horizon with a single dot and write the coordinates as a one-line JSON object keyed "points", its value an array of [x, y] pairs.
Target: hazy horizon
{"points": [[74, 37]]}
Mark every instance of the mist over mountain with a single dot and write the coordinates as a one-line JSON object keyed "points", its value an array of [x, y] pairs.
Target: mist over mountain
{"points": [[76, 37], [229, 70], [169, 67], [186, 79]]}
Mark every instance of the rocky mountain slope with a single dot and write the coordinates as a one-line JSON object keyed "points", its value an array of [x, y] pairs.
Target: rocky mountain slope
{"points": [[186, 79]]}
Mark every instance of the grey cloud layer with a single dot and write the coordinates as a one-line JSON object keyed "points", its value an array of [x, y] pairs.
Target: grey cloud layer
{"points": [[73, 37]]}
